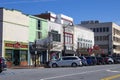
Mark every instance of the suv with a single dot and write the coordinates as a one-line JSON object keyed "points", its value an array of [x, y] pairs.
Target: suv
{"points": [[73, 61], [3, 65]]}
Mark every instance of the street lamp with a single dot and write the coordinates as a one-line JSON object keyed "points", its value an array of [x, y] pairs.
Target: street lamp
{"points": [[108, 44], [35, 52]]}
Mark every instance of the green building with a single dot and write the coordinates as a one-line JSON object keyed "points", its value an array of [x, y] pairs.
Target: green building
{"points": [[38, 30]]}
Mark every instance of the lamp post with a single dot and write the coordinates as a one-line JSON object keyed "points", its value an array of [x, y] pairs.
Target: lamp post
{"points": [[63, 41], [108, 44], [35, 52]]}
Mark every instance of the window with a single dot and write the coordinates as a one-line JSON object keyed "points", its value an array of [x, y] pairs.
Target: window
{"points": [[38, 35], [107, 29], [100, 29], [103, 29], [93, 29], [23, 55], [55, 36], [8, 55], [68, 38], [97, 29], [39, 25]]}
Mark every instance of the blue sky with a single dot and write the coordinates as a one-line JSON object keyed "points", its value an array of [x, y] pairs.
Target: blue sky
{"points": [[79, 10]]}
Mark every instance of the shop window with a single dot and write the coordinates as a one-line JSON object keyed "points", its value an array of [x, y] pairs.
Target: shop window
{"points": [[23, 56], [8, 55]]}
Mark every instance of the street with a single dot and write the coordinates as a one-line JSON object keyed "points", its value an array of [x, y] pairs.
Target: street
{"points": [[98, 72]]}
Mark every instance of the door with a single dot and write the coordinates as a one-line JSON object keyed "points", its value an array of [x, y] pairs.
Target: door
{"points": [[16, 57]]}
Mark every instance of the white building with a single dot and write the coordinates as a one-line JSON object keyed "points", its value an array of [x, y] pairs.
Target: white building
{"points": [[14, 36], [63, 19], [58, 18], [83, 38], [55, 31]]}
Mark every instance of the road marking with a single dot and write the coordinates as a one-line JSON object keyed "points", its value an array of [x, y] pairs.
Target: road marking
{"points": [[112, 70], [73, 74], [111, 77]]}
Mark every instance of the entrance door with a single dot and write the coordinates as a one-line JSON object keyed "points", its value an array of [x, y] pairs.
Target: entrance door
{"points": [[16, 57]]}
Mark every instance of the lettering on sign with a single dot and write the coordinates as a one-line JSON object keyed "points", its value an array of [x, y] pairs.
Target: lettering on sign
{"points": [[16, 45]]}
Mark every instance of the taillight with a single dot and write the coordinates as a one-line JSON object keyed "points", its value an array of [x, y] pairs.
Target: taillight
{"points": [[0, 60]]}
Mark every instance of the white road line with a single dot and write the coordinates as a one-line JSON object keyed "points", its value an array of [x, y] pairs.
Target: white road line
{"points": [[112, 70], [73, 74]]}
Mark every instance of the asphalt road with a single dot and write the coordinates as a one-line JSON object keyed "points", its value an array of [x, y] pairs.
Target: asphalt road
{"points": [[100, 72]]}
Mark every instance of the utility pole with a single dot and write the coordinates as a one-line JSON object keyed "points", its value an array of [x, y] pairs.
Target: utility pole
{"points": [[64, 48], [35, 52]]}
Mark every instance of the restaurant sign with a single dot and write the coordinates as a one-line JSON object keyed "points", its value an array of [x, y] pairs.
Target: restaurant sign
{"points": [[16, 45]]}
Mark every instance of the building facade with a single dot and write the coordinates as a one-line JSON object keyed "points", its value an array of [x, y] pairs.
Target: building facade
{"points": [[13, 45], [38, 30], [58, 18], [55, 31], [106, 36], [83, 41]]}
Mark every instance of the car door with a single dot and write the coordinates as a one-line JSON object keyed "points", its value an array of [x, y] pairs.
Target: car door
{"points": [[64, 61]]}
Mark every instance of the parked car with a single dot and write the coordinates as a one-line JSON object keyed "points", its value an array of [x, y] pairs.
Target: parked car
{"points": [[73, 61], [116, 60], [89, 60], [100, 60], [3, 65], [84, 61], [94, 60], [108, 60]]}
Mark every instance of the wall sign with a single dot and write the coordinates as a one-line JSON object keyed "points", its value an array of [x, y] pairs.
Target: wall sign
{"points": [[16, 45]]}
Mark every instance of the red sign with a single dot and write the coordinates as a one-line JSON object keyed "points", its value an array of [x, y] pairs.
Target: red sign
{"points": [[16, 45], [96, 47], [90, 50]]}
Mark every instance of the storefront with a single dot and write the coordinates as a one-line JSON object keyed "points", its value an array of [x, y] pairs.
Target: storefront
{"points": [[16, 53]]}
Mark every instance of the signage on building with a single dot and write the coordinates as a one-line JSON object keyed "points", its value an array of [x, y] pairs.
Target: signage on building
{"points": [[16, 45]]}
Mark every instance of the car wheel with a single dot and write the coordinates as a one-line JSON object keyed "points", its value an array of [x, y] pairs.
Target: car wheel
{"points": [[110, 62], [74, 65], [0, 70], [54, 65]]}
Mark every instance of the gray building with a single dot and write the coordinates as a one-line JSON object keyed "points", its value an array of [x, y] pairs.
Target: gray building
{"points": [[107, 35]]}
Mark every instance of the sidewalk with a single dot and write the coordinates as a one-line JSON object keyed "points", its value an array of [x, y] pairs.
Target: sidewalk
{"points": [[26, 67]]}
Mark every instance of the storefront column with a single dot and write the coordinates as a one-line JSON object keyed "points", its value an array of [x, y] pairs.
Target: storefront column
{"points": [[29, 57], [47, 56]]}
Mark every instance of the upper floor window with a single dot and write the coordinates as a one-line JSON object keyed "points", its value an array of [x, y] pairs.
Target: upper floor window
{"points": [[39, 25], [55, 35], [39, 35]]}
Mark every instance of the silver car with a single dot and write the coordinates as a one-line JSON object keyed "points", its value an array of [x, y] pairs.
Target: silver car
{"points": [[73, 61]]}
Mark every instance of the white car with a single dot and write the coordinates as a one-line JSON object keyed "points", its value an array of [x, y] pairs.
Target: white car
{"points": [[73, 61]]}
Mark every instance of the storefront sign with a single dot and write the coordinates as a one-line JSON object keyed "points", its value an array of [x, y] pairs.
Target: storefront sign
{"points": [[16, 45]]}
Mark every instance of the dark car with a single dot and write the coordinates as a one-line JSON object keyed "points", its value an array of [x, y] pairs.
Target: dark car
{"points": [[3, 65], [100, 60], [89, 60], [84, 61], [94, 60], [116, 60]]}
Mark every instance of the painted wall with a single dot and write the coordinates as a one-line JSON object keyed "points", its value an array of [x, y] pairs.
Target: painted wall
{"points": [[15, 27], [1, 17], [56, 27], [84, 33], [33, 28]]}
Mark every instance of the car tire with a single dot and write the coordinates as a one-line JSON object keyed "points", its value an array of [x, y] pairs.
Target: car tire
{"points": [[74, 65], [54, 65], [110, 62], [0, 70]]}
